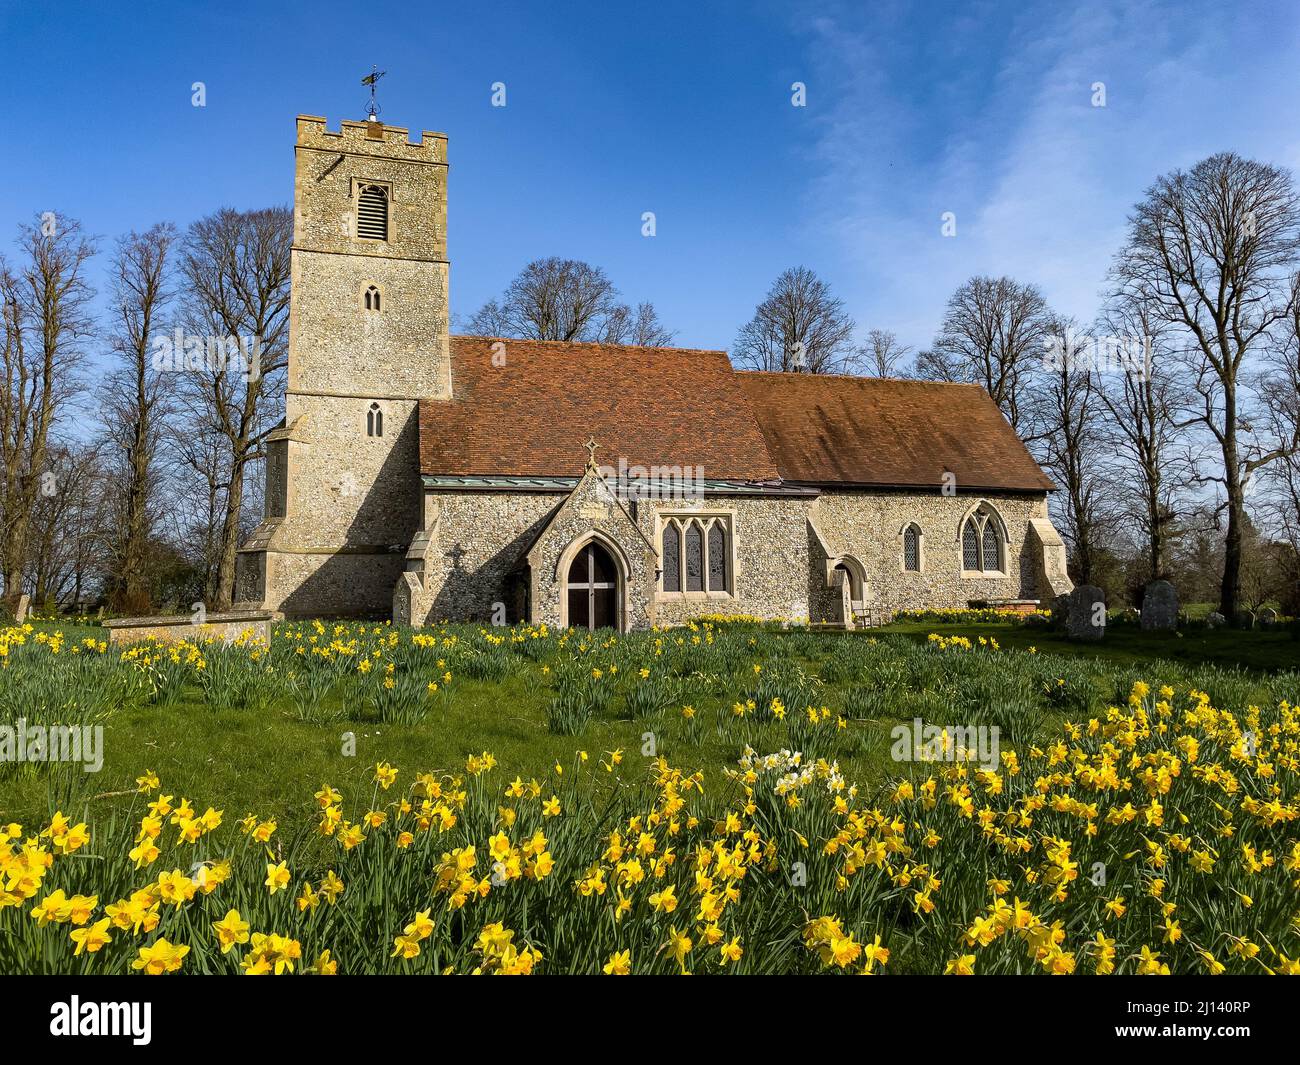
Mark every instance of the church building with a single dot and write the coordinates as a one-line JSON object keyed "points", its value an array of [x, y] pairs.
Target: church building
{"points": [[423, 477]]}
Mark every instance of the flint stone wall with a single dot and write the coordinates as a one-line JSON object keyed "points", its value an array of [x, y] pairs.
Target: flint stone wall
{"points": [[869, 526], [482, 536], [472, 568]]}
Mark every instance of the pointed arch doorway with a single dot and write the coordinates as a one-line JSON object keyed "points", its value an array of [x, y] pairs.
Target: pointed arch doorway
{"points": [[592, 589]]}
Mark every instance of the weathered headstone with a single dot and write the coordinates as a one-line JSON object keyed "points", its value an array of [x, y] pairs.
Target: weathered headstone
{"points": [[1159, 607], [1086, 619], [1214, 620], [1245, 619], [1268, 618], [24, 605]]}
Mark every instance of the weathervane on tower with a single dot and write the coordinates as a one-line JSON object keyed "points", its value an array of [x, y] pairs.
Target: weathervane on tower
{"points": [[371, 79]]}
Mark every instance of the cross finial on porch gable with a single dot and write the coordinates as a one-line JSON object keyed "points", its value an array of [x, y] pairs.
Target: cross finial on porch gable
{"points": [[591, 446]]}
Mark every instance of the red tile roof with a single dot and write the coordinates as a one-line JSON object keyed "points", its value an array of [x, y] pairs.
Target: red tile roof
{"points": [[532, 415], [684, 407], [832, 429]]}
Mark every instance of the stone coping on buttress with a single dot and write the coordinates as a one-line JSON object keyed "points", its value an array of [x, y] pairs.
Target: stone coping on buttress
{"points": [[172, 620]]}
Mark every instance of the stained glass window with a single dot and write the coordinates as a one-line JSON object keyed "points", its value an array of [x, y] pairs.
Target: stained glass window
{"points": [[694, 558], [717, 557], [672, 559]]}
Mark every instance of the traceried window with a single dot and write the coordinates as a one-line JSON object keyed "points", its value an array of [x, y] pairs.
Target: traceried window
{"points": [[696, 553], [374, 421], [372, 212], [912, 549], [371, 300], [982, 543]]}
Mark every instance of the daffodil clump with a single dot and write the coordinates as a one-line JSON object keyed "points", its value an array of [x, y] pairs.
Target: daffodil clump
{"points": [[1157, 837]]}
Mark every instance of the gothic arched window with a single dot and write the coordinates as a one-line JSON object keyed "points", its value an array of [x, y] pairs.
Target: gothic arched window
{"points": [[912, 549], [374, 421], [372, 298], [672, 558], [717, 557], [694, 558], [372, 213], [696, 555], [982, 543]]}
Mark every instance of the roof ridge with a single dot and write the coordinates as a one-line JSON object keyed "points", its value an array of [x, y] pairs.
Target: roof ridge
{"points": [[862, 377]]}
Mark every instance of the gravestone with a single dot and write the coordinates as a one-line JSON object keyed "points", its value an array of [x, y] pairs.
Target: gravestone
{"points": [[1245, 619], [24, 605], [1159, 607], [1086, 617], [1268, 618], [1214, 620]]}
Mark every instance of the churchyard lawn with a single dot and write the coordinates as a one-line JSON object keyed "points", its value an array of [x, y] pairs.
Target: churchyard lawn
{"points": [[594, 750]]}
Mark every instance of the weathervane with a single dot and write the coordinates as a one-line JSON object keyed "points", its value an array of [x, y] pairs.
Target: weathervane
{"points": [[370, 79]]}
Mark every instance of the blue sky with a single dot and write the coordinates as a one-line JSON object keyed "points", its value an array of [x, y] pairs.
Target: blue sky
{"points": [[683, 109]]}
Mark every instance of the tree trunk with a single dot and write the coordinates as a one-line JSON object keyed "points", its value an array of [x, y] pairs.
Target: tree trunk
{"points": [[1230, 589], [225, 588]]}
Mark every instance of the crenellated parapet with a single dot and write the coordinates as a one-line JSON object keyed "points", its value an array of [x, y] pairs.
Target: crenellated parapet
{"points": [[364, 138]]}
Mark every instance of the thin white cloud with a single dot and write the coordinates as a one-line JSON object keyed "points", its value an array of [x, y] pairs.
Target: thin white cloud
{"points": [[997, 126]]}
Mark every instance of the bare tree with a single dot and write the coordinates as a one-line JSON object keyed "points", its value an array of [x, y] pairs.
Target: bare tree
{"points": [[641, 328], [235, 266], [1212, 249], [883, 353], [197, 461], [992, 334], [799, 327], [134, 407], [569, 300], [1145, 399], [1068, 411], [69, 536], [46, 322]]}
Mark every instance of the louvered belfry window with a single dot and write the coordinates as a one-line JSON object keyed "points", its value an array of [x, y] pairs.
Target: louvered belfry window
{"points": [[372, 213]]}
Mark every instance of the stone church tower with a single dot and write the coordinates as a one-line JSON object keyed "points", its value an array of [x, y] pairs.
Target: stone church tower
{"points": [[368, 339]]}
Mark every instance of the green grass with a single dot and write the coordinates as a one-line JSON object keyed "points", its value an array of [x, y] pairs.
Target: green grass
{"points": [[1263, 650], [268, 761]]}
